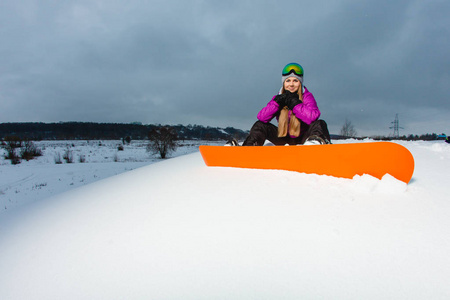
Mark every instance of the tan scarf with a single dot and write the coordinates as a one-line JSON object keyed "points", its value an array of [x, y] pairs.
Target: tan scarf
{"points": [[294, 124]]}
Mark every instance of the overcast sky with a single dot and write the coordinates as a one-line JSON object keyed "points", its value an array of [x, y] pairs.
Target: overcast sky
{"points": [[217, 63]]}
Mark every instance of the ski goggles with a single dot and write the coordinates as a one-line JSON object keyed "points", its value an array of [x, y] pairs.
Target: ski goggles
{"points": [[293, 68]]}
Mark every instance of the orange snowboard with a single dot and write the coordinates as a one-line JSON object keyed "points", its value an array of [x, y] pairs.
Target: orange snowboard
{"points": [[339, 160]]}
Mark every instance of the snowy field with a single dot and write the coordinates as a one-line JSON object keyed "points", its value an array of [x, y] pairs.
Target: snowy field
{"points": [[176, 229], [43, 177]]}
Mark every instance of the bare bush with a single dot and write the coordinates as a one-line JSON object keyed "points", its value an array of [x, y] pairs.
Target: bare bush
{"points": [[57, 158], [12, 143], [30, 151], [162, 141], [68, 156], [126, 140], [348, 130]]}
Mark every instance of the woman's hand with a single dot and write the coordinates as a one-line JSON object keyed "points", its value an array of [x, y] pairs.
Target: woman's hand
{"points": [[292, 100], [281, 100]]}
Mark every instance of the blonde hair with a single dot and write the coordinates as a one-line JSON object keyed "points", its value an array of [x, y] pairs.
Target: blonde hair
{"points": [[283, 119]]}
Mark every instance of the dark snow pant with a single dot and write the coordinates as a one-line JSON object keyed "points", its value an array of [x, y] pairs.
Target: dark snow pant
{"points": [[260, 132]]}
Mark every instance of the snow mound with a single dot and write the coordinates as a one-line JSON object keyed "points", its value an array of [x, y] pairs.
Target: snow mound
{"points": [[180, 230]]}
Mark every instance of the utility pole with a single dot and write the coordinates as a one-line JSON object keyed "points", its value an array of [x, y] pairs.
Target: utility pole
{"points": [[396, 127]]}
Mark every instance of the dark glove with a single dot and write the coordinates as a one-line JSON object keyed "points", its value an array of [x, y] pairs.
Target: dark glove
{"points": [[292, 100], [281, 100]]}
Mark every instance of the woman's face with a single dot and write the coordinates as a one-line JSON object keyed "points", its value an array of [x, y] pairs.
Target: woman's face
{"points": [[292, 84]]}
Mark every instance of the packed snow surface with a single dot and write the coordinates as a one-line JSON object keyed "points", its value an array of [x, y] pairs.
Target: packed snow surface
{"points": [[177, 229]]}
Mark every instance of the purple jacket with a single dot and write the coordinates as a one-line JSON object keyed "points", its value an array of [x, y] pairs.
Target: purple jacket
{"points": [[307, 111]]}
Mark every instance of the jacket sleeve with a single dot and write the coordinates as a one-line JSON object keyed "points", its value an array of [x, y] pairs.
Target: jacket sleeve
{"points": [[268, 113], [307, 111]]}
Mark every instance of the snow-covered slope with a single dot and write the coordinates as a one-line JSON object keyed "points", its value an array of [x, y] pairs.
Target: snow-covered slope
{"points": [[180, 230]]}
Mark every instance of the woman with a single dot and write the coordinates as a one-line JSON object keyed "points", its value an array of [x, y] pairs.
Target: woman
{"points": [[296, 111]]}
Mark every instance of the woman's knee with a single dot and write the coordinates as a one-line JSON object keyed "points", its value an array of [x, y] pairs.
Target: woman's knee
{"points": [[258, 125]]}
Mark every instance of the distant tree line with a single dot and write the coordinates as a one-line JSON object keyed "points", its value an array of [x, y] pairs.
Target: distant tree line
{"points": [[127, 132], [348, 131], [412, 137], [111, 131]]}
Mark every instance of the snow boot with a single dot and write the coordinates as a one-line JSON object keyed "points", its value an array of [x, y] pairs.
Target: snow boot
{"points": [[316, 140], [232, 142]]}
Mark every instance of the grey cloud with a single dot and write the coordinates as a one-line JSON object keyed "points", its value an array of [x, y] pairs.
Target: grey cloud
{"points": [[217, 63]]}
